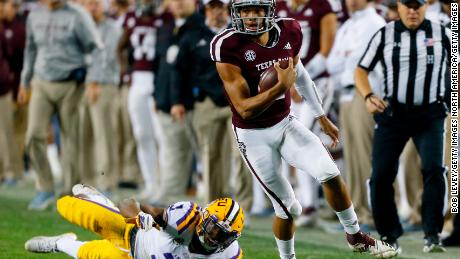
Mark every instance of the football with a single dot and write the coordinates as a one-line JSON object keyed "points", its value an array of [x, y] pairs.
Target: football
{"points": [[269, 77]]}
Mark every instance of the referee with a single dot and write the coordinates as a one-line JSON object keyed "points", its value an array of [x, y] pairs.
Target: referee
{"points": [[414, 53]]}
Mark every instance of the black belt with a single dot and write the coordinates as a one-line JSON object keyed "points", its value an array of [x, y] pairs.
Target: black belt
{"points": [[414, 108], [132, 240]]}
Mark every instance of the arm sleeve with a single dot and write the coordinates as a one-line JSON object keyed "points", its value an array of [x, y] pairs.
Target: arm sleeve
{"points": [[307, 89], [30, 54], [374, 51]]}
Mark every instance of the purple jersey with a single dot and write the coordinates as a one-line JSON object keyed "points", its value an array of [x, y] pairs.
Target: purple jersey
{"points": [[238, 49], [309, 17]]}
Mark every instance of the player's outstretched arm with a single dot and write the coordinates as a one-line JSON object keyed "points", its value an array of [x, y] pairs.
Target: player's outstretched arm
{"points": [[238, 90], [143, 215]]}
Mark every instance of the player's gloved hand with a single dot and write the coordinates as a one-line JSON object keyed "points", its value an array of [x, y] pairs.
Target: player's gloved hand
{"points": [[145, 221]]}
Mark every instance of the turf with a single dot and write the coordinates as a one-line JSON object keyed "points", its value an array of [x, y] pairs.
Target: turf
{"points": [[17, 225]]}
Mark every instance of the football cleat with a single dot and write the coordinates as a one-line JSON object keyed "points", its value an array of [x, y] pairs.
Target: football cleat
{"points": [[394, 243], [361, 242], [433, 245], [46, 244], [90, 193]]}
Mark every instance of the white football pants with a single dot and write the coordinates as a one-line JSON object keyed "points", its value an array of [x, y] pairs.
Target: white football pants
{"points": [[263, 149], [140, 108]]}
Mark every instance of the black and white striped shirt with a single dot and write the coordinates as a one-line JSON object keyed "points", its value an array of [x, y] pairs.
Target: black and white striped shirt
{"points": [[414, 62]]}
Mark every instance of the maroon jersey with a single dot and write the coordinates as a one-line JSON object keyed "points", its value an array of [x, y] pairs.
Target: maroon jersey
{"points": [[5, 71], [238, 49], [142, 37], [15, 38], [129, 19], [309, 17]]}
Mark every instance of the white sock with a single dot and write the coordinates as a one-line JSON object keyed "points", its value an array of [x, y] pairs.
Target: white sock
{"points": [[349, 220], [286, 248], [69, 246]]}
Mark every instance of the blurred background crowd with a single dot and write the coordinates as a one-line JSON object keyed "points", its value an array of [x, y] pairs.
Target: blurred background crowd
{"points": [[123, 94]]}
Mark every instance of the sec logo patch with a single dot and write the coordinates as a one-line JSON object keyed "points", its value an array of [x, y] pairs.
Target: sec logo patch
{"points": [[250, 55]]}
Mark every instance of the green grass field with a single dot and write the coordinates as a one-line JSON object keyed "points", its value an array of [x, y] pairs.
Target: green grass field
{"points": [[17, 225]]}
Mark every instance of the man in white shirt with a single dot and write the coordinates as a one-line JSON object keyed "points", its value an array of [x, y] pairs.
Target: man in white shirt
{"points": [[356, 125]]}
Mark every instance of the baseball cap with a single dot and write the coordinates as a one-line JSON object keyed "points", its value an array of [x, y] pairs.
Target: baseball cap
{"points": [[205, 2], [422, 2]]}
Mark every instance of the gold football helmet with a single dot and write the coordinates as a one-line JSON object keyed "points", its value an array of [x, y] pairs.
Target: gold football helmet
{"points": [[220, 224]]}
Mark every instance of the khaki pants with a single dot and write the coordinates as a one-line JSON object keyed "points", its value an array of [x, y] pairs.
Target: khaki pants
{"points": [[128, 168], [218, 149], [176, 157], [357, 128], [20, 128], [86, 168], [9, 156], [102, 119], [47, 98]]}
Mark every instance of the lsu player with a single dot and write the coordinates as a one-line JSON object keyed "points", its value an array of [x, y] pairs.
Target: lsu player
{"points": [[134, 230]]}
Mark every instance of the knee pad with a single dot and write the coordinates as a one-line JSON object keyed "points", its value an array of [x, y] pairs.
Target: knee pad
{"points": [[294, 209]]}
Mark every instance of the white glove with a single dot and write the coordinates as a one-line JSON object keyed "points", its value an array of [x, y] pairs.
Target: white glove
{"points": [[144, 221]]}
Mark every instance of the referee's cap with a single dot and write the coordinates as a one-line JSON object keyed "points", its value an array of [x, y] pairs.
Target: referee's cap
{"points": [[422, 2]]}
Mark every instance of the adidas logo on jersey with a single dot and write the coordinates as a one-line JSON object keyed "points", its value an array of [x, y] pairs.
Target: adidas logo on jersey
{"points": [[287, 46]]}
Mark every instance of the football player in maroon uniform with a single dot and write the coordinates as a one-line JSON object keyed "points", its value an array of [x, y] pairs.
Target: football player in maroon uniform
{"points": [[140, 30], [265, 131]]}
